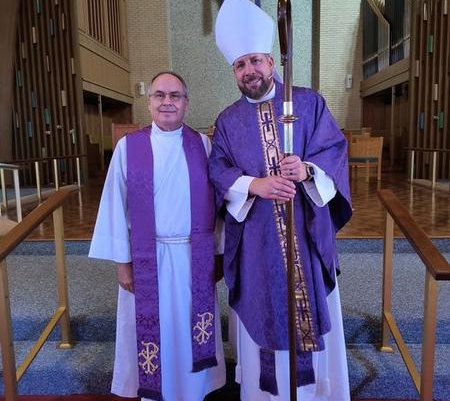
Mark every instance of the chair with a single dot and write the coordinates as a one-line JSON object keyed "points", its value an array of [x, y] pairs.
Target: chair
{"points": [[366, 152], [348, 135], [119, 130]]}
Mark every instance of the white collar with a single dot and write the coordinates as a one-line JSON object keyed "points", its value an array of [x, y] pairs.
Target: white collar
{"points": [[158, 131], [269, 95]]}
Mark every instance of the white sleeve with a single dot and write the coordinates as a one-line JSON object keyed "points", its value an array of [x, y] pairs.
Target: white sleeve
{"points": [[206, 143], [322, 189], [219, 230], [238, 202], [111, 233]]}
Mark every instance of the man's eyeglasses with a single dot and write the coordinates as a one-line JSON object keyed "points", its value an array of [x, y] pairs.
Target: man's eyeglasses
{"points": [[173, 96]]}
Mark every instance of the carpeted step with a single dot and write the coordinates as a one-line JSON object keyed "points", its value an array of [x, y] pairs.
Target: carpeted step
{"points": [[93, 291], [380, 375], [87, 369], [360, 287], [84, 369]]}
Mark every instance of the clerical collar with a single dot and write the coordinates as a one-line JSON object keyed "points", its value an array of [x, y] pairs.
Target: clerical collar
{"points": [[267, 96], [158, 131]]}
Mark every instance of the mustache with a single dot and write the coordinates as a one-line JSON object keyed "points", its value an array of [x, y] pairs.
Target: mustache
{"points": [[170, 107], [252, 77]]}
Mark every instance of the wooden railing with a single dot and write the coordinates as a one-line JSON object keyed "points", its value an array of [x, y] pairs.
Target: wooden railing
{"points": [[437, 269], [8, 243]]}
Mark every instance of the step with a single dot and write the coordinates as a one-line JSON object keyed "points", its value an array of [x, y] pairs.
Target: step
{"points": [[87, 369], [93, 292]]}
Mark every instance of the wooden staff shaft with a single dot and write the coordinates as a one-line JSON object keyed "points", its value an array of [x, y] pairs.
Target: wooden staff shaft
{"points": [[285, 36]]}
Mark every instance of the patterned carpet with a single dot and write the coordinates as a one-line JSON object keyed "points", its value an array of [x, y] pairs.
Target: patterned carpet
{"points": [[86, 369]]}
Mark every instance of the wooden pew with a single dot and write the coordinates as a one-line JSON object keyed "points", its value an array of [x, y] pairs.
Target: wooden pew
{"points": [[119, 130]]}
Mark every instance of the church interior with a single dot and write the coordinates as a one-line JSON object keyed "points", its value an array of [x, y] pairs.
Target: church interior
{"points": [[74, 77]]}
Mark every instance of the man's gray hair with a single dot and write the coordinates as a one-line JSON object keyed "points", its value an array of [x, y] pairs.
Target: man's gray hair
{"points": [[177, 76]]}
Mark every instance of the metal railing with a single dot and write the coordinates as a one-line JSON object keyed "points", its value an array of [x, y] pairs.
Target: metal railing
{"points": [[15, 170], [53, 205], [437, 269], [16, 165], [434, 154]]}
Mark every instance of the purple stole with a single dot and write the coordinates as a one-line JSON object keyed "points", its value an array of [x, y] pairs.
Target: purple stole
{"points": [[307, 339], [143, 251]]}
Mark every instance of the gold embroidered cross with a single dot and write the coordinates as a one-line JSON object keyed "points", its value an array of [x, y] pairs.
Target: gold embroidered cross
{"points": [[149, 353], [202, 326]]}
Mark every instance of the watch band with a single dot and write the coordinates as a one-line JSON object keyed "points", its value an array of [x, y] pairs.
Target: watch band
{"points": [[309, 172]]}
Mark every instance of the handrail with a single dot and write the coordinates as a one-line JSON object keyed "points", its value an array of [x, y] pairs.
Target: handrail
{"points": [[36, 162], [435, 151], [9, 242], [437, 269], [436, 264], [38, 159], [427, 149], [8, 166], [15, 170]]}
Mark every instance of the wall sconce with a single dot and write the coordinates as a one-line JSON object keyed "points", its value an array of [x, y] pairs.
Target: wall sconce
{"points": [[141, 88], [348, 81]]}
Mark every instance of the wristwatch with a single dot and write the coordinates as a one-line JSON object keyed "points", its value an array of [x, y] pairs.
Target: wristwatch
{"points": [[309, 172]]}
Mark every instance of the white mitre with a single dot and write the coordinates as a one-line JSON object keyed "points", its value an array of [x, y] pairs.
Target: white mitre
{"points": [[243, 28]]}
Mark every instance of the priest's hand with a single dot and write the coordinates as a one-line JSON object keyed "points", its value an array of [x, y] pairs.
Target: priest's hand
{"points": [[125, 276], [272, 187], [293, 169]]}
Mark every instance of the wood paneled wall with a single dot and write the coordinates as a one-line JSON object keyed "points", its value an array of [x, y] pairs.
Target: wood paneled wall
{"points": [[111, 113], [105, 21], [8, 27], [430, 84], [47, 97], [103, 38], [377, 114]]}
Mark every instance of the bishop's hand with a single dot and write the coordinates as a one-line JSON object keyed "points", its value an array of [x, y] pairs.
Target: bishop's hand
{"points": [[272, 187], [292, 168]]}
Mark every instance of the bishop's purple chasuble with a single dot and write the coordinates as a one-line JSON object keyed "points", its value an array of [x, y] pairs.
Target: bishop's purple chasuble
{"points": [[143, 253], [248, 140]]}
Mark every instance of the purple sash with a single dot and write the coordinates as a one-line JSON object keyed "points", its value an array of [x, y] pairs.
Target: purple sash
{"points": [[143, 251]]}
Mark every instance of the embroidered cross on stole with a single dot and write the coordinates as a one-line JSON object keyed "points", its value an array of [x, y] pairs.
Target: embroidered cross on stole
{"points": [[272, 157]]}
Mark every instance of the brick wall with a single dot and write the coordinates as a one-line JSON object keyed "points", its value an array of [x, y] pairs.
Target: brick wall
{"points": [[149, 47], [341, 54]]}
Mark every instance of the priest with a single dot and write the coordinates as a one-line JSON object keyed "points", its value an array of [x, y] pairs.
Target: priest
{"points": [[156, 221]]}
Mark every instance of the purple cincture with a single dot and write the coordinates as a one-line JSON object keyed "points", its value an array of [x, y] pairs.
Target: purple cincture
{"points": [[143, 251]]}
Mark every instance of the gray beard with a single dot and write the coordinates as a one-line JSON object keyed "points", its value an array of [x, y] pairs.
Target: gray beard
{"points": [[257, 93]]}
